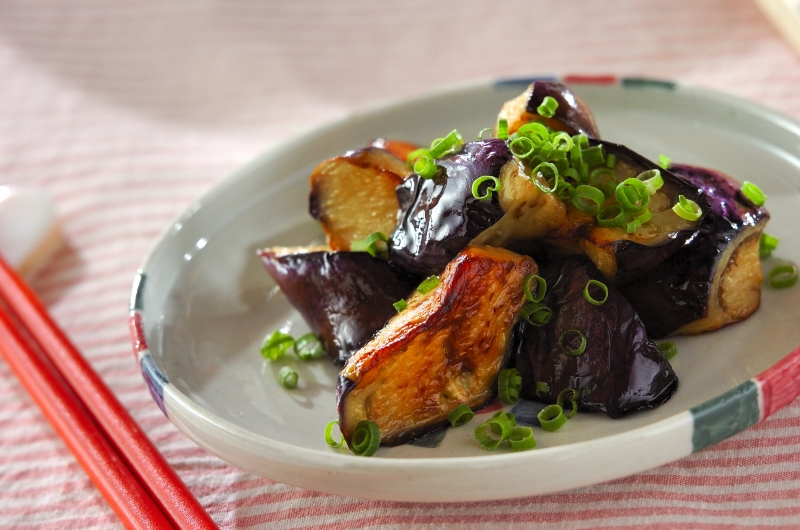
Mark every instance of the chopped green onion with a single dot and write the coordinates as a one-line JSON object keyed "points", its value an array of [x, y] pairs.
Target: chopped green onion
{"points": [[522, 147], [575, 394], [460, 415], [552, 418], [308, 347], [632, 195], [400, 305], [499, 424], [611, 216], [534, 131], [652, 180], [588, 296], [783, 276], [594, 156], [276, 344], [376, 244], [509, 383], [766, 244], [754, 193], [486, 130], [562, 142], [329, 434], [605, 180], [573, 175], [588, 199], [502, 129], [579, 349], [538, 170], [541, 388], [511, 417], [487, 195], [638, 221], [415, 154], [668, 349], [581, 140], [565, 191], [366, 438], [288, 377], [541, 288], [449, 144], [521, 439], [664, 161], [428, 284], [548, 107], [687, 209], [611, 161], [425, 167], [536, 314]]}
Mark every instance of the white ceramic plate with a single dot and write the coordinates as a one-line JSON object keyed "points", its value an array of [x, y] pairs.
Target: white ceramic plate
{"points": [[202, 304]]}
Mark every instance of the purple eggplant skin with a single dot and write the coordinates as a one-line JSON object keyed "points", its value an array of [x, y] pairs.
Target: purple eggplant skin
{"points": [[345, 297], [440, 216], [635, 259], [571, 111], [680, 290], [621, 371]]}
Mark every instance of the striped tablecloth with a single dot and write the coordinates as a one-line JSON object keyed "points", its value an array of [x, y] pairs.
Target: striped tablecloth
{"points": [[127, 110]]}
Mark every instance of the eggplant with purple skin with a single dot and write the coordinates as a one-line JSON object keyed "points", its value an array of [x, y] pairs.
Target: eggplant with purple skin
{"points": [[440, 215], [619, 372], [572, 115], [715, 278], [345, 297]]}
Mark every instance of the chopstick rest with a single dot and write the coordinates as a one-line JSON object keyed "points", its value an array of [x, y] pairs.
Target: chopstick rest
{"points": [[29, 230]]}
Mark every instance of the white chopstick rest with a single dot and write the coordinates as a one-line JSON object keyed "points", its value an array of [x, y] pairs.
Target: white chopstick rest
{"points": [[29, 231]]}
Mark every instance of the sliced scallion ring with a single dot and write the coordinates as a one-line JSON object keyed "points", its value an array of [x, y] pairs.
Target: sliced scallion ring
{"points": [[502, 129], [552, 418], [664, 161], [500, 425], [366, 438], [588, 295], [329, 434], [276, 344], [783, 276], [521, 439], [509, 383], [569, 336], [541, 288], [573, 394], [637, 221], [425, 167], [652, 179], [611, 216], [485, 131], [547, 109], [428, 284], [540, 170], [534, 131], [562, 141], [400, 305], [288, 377], [487, 193], [415, 154], [376, 244], [766, 244], [536, 314], [753, 193], [588, 199], [632, 195], [449, 144], [668, 349], [308, 347], [611, 161], [603, 179], [460, 415], [522, 147], [541, 388], [687, 209], [594, 156]]}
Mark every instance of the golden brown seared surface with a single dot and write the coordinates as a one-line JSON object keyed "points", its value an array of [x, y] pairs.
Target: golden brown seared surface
{"points": [[444, 349], [353, 195], [514, 111]]}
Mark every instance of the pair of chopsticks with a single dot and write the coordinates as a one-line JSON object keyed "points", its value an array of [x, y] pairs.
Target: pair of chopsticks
{"points": [[141, 487]]}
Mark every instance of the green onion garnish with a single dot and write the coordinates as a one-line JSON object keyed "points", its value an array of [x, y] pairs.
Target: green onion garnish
{"points": [[521, 439], [664, 161], [611, 161], [605, 180], [484, 131], [783, 276], [588, 296], [611, 216], [638, 221], [276, 344], [502, 129], [548, 107], [652, 179], [541, 288], [687, 209], [541, 388], [415, 154], [376, 244], [766, 244], [581, 140], [579, 349], [499, 424], [632, 195], [308, 347], [575, 394], [366, 439], [537, 314], [329, 434], [562, 141], [552, 418], [522, 147], [509, 383], [588, 199], [534, 131], [754, 193], [668, 349], [565, 191], [487, 195], [428, 284], [425, 167], [539, 170], [460, 415], [400, 305], [594, 156], [288, 377], [449, 144]]}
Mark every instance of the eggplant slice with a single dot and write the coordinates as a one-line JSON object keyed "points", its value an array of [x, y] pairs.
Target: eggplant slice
{"points": [[446, 348], [714, 280], [344, 297], [572, 114], [620, 371]]}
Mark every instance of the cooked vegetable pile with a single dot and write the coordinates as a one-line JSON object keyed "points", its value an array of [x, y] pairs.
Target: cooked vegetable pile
{"points": [[536, 262]]}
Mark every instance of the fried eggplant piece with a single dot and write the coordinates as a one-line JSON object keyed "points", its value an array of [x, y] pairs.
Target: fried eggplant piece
{"points": [[572, 114], [446, 348], [618, 373], [345, 297], [354, 195]]}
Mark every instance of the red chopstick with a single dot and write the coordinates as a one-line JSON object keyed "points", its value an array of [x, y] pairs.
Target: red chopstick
{"points": [[143, 459]]}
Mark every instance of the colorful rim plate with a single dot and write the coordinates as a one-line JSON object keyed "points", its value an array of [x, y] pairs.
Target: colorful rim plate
{"points": [[202, 303]]}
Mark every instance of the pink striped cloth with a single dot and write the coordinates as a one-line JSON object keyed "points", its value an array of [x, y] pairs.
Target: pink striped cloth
{"points": [[125, 111]]}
